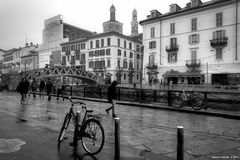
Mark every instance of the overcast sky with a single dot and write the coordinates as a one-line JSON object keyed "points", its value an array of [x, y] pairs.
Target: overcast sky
{"points": [[22, 20]]}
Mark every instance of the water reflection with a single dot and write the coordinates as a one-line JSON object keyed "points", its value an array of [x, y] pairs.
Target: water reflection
{"points": [[21, 114]]}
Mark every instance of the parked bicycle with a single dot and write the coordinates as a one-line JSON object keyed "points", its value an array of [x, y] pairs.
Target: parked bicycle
{"points": [[194, 99], [90, 132]]}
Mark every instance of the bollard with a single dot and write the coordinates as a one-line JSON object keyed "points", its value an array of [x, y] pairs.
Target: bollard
{"points": [[76, 129], [117, 138], [180, 146], [169, 98]]}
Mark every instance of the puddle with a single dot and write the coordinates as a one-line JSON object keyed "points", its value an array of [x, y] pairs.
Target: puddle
{"points": [[10, 145]]}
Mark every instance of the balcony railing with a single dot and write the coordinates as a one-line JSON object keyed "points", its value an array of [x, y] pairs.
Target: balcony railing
{"points": [[152, 66], [193, 63], [172, 48], [72, 62], [119, 68], [221, 42], [82, 62], [67, 52]]}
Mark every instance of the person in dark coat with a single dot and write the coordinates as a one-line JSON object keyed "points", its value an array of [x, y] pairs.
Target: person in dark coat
{"points": [[41, 88], [21, 89], [34, 86], [112, 97], [49, 87], [26, 87]]}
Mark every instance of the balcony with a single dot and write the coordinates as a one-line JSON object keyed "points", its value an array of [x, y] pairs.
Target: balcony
{"points": [[172, 48], [221, 42], [119, 68], [193, 63], [152, 67]]}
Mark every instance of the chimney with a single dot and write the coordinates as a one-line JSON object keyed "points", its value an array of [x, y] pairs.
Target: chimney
{"points": [[174, 8]]}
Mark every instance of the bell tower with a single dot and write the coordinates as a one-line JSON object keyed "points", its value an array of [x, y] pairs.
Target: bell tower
{"points": [[134, 23]]}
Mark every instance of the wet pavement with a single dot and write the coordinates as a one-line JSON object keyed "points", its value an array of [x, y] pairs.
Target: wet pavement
{"points": [[146, 133]]}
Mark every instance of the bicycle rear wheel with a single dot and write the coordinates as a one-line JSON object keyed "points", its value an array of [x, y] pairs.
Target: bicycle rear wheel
{"points": [[197, 103], [92, 136], [64, 127], [177, 102]]}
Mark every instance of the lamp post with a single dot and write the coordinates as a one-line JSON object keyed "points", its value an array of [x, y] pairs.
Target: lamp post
{"points": [[141, 77]]}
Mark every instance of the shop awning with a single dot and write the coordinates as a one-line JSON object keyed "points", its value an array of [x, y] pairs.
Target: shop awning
{"points": [[190, 73]]}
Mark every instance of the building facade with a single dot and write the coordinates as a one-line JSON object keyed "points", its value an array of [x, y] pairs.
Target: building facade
{"points": [[197, 44], [111, 55], [56, 32]]}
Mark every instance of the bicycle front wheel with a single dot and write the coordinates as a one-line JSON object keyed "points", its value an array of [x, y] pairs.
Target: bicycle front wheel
{"points": [[92, 136], [64, 127]]}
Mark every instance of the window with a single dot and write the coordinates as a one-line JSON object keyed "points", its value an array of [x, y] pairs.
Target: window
{"points": [[172, 28], [125, 44], [194, 38], [152, 44], [118, 64], [194, 24], [219, 19], [68, 58], [119, 42], [83, 46], [102, 52], [97, 53], [138, 48], [194, 55], [172, 57], [97, 44], [137, 76], [124, 76], [73, 47], [130, 45], [63, 49], [219, 34], [125, 63], [109, 41], [64, 60], [131, 54], [78, 47], [77, 56], [91, 54], [151, 60], [152, 32], [119, 52], [102, 64], [102, 42], [125, 54], [108, 52], [130, 64], [83, 57], [173, 42], [108, 63], [137, 65], [218, 53], [91, 44], [138, 56]]}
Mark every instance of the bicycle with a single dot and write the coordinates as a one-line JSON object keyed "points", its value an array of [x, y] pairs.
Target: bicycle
{"points": [[193, 99], [90, 131]]}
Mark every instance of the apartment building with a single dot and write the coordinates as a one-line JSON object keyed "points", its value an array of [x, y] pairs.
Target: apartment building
{"points": [[111, 55], [197, 44]]}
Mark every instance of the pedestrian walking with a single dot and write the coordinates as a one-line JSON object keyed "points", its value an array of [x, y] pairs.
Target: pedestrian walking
{"points": [[28, 84], [49, 87], [63, 91], [34, 87], [41, 88], [112, 97], [21, 89]]}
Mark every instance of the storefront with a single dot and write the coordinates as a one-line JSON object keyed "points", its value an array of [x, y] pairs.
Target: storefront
{"points": [[189, 77]]}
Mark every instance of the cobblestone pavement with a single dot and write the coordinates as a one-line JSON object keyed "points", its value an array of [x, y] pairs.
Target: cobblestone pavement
{"points": [[150, 130]]}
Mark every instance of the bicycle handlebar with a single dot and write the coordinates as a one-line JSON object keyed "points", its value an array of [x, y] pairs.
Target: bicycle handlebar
{"points": [[81, 103]]}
